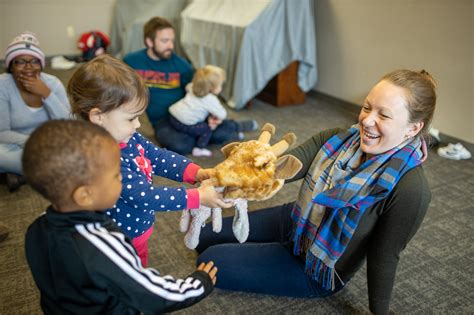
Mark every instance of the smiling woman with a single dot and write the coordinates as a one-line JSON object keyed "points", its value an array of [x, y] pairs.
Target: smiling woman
{"points": [[363, 197], [397, 109], [28, 98], [384, 119]]}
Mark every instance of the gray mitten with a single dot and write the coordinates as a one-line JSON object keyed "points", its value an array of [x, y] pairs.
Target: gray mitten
{"points": [[198, 220], [240, 225], [184, 221], [217, 220], [217, 215]]}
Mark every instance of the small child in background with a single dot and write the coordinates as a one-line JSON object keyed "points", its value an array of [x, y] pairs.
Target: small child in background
{"points": [[80, 261], [109, 93], [200, 112]]}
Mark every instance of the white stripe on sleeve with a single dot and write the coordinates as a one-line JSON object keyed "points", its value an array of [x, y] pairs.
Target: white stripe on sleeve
{"points": [[119, 252]]}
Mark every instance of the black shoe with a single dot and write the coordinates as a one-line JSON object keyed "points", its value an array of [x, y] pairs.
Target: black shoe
{"points": [[4, 231], [14, 181], [247, 125]]}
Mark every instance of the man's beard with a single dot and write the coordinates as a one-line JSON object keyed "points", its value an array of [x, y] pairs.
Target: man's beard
{"points": [[162, 55]]}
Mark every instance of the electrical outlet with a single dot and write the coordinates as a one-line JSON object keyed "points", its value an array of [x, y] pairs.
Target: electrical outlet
{"points": [[71, 33]]}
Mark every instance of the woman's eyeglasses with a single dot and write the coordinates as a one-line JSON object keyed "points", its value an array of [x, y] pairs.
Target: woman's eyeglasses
{"points": [[20, 63]]}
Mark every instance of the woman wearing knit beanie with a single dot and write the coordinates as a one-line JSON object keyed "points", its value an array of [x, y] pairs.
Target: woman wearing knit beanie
{"points": [[28, 98]]}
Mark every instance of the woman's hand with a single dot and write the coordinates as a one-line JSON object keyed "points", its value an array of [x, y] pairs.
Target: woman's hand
{"points": [[35, 85], [209, 197], [204, 173], [210, 269]]}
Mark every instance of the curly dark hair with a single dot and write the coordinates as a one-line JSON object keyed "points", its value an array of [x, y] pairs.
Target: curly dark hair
{"points": [[62, 155]]}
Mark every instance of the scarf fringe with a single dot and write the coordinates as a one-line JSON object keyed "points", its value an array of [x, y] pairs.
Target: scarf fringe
{"points": [[317, 270], [302, 241], [296, 244]]}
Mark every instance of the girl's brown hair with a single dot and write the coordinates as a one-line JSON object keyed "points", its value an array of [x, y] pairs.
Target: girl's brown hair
{"points": [[105, 83], [207, 79], [420, 89]]}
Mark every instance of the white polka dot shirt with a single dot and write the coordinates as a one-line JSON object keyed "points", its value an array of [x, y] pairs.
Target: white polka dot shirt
{"points": [[134, 211]]}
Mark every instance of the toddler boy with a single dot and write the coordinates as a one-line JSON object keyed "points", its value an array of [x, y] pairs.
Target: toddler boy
{"points": [[80, 261]]}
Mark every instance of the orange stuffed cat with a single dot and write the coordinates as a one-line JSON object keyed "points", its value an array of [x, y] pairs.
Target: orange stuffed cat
{"points": [[253, 170]]}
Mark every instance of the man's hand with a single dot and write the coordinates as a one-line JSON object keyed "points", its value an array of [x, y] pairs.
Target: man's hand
{"points": [[35, 85], [210, 269]]}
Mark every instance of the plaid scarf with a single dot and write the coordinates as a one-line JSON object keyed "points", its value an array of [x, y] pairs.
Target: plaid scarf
{"points": [[333, 199]]}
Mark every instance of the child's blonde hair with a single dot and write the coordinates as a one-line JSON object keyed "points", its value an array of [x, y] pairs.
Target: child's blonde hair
{"points": [[207, 79], [105, 83]]}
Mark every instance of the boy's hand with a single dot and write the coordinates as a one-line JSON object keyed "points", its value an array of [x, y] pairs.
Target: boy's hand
{"points": [[209, 197], [210, 269], [204, 173]]}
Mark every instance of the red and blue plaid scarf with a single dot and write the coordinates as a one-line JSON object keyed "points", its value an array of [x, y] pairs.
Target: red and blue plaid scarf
{"points": [[334, 197]]}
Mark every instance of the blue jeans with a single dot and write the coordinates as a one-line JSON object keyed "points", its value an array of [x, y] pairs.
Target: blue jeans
{"points": [[200, 131], [265, 263], [182, 143]]}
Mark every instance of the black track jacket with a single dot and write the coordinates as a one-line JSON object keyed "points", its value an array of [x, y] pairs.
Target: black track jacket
{"points": [[83, 264]]}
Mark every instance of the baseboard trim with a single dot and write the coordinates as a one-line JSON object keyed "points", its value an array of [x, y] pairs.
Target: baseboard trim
{"points": [[48, 58], [348, 107]]}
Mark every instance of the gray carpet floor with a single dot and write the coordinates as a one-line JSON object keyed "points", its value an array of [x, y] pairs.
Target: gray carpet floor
{"points": [[435, 274]]}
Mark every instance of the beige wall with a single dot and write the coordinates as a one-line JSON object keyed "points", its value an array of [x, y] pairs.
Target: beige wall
{"points": [[2, 27], [49, 19], [358, 41]]}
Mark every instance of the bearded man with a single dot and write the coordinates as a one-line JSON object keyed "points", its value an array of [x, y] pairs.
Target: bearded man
{"points": [[166, 76]]}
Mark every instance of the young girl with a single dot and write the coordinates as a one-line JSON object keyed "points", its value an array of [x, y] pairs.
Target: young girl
{"points": [[200, 111], [108, 93]]}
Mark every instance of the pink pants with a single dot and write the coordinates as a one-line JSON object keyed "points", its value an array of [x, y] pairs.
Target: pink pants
{"points": [[141, 245]]}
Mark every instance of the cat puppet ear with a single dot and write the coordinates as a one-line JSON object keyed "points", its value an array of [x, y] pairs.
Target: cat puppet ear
{"points": [[287, 166], [228, 148]]}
